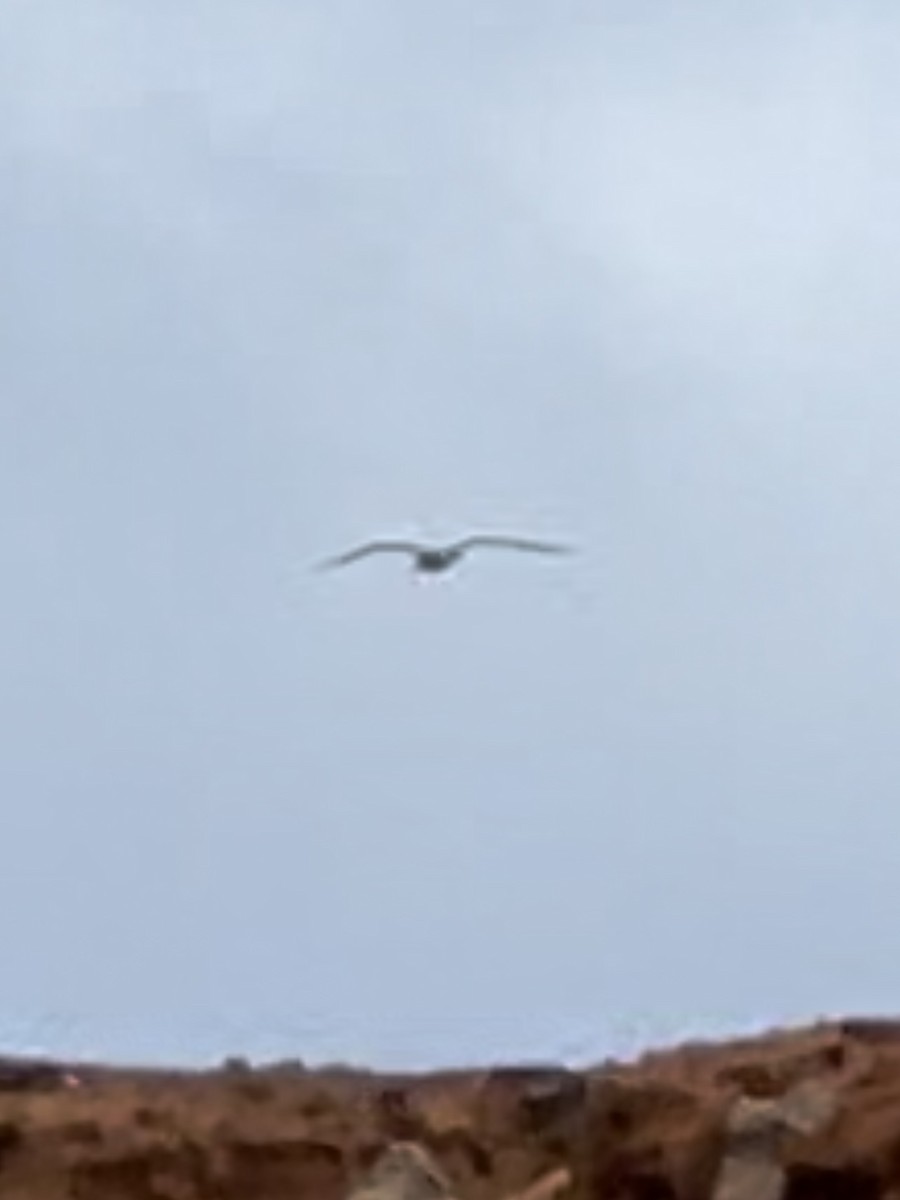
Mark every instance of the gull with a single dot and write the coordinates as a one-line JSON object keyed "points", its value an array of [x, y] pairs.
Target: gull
{"points": [[431, 560]]}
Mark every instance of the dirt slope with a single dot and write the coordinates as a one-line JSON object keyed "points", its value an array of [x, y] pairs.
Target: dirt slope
{"points": [[663, 1128]]}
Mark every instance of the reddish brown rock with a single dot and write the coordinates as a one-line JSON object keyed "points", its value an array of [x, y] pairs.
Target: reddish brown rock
{"points": [[819, 1108]]}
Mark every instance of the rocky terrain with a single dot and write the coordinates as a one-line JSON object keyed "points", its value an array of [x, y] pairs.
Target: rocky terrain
{"points": [[810, 1114]]}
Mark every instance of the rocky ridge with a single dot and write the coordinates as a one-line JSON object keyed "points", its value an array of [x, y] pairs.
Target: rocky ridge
{"points": [[805, 1114]]}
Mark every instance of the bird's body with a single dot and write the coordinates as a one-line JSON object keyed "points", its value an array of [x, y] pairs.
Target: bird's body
{"points": [[433, 560]]}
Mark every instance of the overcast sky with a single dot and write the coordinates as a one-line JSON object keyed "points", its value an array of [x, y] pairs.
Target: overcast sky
{"points": [[276, 277]]}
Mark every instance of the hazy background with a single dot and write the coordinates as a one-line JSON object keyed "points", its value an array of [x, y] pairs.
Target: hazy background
{"points": [[279, 276]]}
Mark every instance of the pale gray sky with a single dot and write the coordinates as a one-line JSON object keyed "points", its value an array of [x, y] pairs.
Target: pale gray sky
{"points": [[277, 277]]}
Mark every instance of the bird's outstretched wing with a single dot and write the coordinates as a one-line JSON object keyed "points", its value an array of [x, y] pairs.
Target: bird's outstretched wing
{"points": [[511, 543], [341, 560]]}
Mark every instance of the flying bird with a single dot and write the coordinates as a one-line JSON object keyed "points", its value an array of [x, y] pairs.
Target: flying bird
{"points": [[431, 560]]}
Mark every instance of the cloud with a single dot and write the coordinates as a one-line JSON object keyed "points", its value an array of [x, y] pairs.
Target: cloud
{"points": [[733, 185]]}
